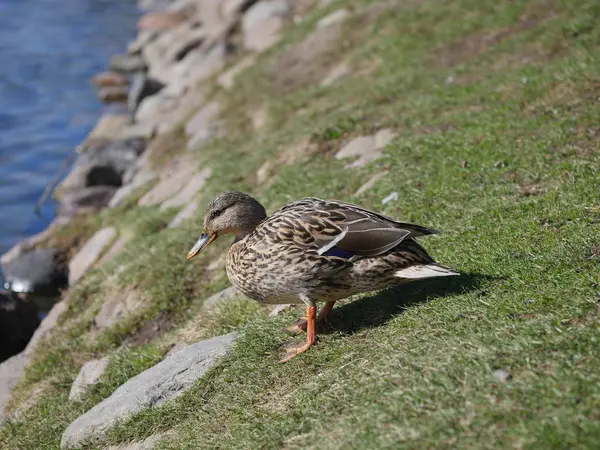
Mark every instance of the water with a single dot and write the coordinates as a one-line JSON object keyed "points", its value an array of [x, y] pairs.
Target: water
{"points": [[49, 49]]}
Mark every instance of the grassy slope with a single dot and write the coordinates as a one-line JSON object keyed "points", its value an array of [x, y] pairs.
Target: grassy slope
{"points": [[495, 104]]}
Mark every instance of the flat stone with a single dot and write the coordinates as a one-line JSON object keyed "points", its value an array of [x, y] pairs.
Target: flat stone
{"points": [[262, 23], [357, 147], [161, 20], [502, 375], [84, 200], [337, 73], [198, 65], [89, 253], [370, 184], [185, 214], [259, 118], [227, 78], [142, 39], [203, 125], [113, 94], [337, 16], [127, 64], [383, 138], [117, 306], [220, 297], [189, 191], [165, 381], [279, 309], [124, 192], [264, 172], [109, 126], [115, 249], [172, 180], [89, 375], [366, 148], [109, 79]]}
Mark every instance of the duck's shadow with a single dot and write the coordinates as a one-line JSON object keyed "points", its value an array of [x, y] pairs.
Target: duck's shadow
{"points": [[375, 310]]}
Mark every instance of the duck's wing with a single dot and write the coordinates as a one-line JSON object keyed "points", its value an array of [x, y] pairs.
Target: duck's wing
{"points": [[334, 228]]}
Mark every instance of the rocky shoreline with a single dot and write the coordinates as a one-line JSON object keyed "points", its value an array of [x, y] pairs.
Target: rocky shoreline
{"points": [[161, 86]]}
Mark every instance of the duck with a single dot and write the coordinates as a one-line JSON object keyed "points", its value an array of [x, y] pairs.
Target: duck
{"points": [[314, 251]]}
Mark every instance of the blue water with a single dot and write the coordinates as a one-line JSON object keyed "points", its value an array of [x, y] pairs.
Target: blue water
{"points": [[49, 49]]}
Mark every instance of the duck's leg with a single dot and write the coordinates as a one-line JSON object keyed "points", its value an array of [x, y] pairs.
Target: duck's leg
{"points": [[311, 334], [300, 325]]}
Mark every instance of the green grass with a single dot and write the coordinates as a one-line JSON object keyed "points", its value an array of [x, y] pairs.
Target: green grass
{"points": [[495, 106]]}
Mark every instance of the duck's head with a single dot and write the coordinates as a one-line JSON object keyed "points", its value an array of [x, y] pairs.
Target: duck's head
{"points": [[230, 212]]}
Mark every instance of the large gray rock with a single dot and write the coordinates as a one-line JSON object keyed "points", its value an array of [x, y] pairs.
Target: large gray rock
{"points": [[104, 163], [142, 87], [220, 297], [366, 148], [79, 201], [175, 176], [127, 64], [89, 375], [165, 381], [189, 191], [89, 253], [262, 23], [36, 272]]}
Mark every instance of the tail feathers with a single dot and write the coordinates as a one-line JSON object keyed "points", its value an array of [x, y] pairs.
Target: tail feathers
{"points": [[425, 271]]}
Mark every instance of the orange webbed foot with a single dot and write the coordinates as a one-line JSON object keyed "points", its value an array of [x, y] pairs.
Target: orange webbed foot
{"points": [[311, 336]]}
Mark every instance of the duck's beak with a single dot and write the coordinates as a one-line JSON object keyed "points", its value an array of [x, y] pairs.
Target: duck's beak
{"points": [[203, 242]]}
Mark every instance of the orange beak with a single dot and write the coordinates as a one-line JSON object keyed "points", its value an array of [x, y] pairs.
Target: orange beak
{"points": [[202, 242]]}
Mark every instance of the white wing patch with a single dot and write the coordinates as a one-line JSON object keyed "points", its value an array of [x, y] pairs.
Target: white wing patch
{"points": [[425, 271], [335, 240]]}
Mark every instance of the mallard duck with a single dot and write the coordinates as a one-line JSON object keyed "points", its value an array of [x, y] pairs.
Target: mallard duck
{"points": [[314, 250]]}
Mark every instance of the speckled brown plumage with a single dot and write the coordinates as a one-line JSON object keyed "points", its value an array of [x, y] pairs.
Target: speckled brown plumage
{"points": [[315, 250]]}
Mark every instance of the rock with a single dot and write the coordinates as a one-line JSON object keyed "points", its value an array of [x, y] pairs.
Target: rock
{"points": [[32, 242], [227, 78], [142, 87], [142, 39], [369, 184], [186, 106], [279, 309], [336, 16], [336, 74], [104, 164], [115, 249], [264, 172], [113, 94], [262, 23], [86, 200], [172, 46], [89, 253], [154, 4], [198, 65], [117, 306], [384, 137], [12, 370], [89, 375], [357, 147], [220, 297], [390, 198], [231, 8], [189, 191], [172, 180], [185, 214], [367, 148], [202, 127], [165, 381], [259, 118], [502, 375], [109, 79], [36, 272], [109, 126], [127, 64], [161, 20], [124, 192], [18, 321], [175, 349]]}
